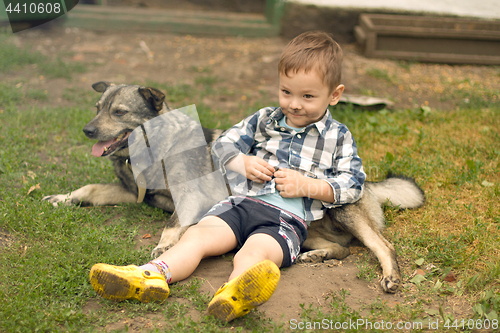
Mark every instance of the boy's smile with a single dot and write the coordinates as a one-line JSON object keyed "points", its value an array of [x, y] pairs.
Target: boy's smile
{"points": [[304, 97]]}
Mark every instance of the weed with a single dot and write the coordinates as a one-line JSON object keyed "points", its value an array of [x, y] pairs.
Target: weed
{"points": [[367, 268], [488, 307]]}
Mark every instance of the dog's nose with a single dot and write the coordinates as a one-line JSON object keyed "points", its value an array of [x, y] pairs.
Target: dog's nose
{"points": [[90, 131]]}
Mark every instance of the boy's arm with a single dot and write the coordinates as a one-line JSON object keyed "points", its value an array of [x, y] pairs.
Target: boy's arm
{"points": [[230, 149], [233, 142], [347, 176]]}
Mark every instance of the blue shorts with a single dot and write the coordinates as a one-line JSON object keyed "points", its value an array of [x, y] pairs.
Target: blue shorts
{"points": [[248, 216]]}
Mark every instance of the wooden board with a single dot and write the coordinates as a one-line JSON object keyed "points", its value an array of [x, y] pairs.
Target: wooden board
{"points": [[430, 39]]}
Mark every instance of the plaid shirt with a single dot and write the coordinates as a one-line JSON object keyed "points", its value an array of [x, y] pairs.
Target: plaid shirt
{"points": [[323, 150]]}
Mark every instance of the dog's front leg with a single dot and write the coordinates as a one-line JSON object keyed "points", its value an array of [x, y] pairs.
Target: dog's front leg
{"points": [[94, 195], [359, 224], [385, 253]]}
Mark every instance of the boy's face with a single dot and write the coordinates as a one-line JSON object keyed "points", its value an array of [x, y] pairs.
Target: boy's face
{"points": [[304, 97]]}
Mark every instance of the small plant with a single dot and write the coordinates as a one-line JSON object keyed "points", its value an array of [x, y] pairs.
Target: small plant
{"points": [[367, 268], [488, 306]]}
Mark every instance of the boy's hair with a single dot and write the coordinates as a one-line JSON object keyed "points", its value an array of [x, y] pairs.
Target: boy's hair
{"points": [[313, 50]]}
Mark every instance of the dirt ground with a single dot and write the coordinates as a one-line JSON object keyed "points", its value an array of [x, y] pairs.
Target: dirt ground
{"points": [[246, 67]]}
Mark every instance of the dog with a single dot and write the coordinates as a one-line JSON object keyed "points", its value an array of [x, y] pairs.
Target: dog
{"points": [[329, 237], [124, 108]]}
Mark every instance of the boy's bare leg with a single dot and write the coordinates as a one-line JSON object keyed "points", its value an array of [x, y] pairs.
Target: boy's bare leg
{"points": [[210, 237], [254, 278], [257, 248]]}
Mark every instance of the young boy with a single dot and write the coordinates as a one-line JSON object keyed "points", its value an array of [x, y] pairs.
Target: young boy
{"points": [[296, 162]]}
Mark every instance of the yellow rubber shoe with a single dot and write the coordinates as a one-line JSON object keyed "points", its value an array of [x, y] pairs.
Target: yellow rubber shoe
{"points": [[118, 283], [252, 288]]}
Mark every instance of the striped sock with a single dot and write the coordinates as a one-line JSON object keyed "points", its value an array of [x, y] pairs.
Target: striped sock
{"points": [[150, 267], [159, 267]]}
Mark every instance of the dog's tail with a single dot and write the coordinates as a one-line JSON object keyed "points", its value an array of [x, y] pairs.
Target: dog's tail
{"points": [[398, 191]]}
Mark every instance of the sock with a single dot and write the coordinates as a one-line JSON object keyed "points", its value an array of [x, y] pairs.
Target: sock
{"points": [[150, 267], [159, 267]]}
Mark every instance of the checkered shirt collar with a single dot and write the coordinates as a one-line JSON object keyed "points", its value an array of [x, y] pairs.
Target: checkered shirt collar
{"points": [[322, 125]]}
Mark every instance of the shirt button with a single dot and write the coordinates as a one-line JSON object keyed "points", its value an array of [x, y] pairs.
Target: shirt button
{"points": [[282, 129], [299, 136]]}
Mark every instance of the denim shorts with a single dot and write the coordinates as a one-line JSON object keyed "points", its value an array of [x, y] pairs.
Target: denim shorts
{"points": [[248, 216]]}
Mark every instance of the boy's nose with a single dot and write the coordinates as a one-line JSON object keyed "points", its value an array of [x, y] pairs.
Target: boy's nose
{"points": [[295, 104]]}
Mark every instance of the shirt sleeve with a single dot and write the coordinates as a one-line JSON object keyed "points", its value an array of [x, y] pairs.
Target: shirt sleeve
{"points": [[236, 140], [346, 177]]}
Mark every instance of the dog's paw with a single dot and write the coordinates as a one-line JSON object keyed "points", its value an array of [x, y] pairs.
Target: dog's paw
{"points": [[390, 284], [57, 199], [312, 257], [158, 251]]}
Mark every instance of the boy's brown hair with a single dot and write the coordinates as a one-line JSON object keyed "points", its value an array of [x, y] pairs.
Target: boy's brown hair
{"points": [[313, 50]]}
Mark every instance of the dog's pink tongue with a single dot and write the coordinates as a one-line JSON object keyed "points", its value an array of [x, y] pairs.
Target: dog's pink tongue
{"points": [[98, 148]]}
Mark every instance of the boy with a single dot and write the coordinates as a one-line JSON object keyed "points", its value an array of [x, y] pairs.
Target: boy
{"points": [[295, 161]]}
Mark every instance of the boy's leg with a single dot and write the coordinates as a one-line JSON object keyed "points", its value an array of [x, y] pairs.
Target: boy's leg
{"points": [[210, 237], [257, 248], [254, 278]]}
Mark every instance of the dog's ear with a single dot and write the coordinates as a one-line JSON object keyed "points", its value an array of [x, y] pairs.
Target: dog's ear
{"points": [[101, 86], [153, 96]]}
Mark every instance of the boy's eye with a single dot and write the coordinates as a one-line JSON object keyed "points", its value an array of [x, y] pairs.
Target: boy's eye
{"points": [[307, 96], [286, 92]]}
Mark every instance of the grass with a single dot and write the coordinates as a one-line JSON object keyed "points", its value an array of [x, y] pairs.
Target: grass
{"points": [[47, 252], [15, 58]]}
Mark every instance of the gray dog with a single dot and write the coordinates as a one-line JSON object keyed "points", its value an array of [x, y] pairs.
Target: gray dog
{"points": [[125, 108]]}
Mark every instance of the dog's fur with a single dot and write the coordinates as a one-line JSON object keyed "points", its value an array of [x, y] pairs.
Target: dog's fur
{"points": [[122, 108], [329, 237]]}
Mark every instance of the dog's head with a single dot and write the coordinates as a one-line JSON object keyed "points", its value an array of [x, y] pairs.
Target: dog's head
{"points": [[120, 110]]}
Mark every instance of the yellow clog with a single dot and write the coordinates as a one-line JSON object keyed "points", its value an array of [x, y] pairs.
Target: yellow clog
{"points": [[252, 288], [118, 283]]}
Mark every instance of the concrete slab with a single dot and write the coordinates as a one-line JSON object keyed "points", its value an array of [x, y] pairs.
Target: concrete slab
{"points": [[487, 9]]}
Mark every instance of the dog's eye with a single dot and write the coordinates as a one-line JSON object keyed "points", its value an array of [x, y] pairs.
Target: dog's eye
{"points": [[120, 112]]}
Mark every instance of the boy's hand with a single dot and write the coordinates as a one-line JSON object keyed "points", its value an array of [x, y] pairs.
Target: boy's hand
{"points": [[290, 183], [252, 167]]}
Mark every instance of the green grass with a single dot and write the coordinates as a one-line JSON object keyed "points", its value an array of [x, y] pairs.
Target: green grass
{"points": [[381, 74], [14, 58], [44, 262], [44, 269]]}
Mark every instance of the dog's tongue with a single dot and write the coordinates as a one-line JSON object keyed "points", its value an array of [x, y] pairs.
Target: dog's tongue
{"points": [[98, 148]]}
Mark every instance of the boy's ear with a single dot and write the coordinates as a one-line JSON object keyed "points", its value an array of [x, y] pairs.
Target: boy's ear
{"points": [[336, 94]]}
